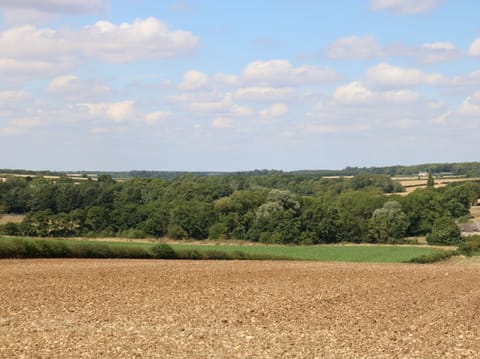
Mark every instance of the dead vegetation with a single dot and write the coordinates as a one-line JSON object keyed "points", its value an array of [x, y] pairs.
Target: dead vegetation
{"points": [[185, 309]]}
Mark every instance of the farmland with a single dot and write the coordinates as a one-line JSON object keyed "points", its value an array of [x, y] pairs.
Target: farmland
{"points": [[32, 248], [135, 308], [412, 183]]}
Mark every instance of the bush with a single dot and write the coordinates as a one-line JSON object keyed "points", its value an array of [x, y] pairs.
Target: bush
{"points": [[470, 246], [218, 231], [176, 232], [163, 251], [10, 229], [434, 257], [132, 233], [444, 231]]}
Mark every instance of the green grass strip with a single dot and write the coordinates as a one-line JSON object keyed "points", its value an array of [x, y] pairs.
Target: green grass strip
{"points": [[50, 248]]}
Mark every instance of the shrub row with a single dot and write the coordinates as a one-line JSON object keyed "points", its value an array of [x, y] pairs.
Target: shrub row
{"points": [[433, 257], [470, 246], [30, 248]]}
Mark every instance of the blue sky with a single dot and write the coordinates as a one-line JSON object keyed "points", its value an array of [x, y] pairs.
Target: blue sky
{"points": [[238, 85]]}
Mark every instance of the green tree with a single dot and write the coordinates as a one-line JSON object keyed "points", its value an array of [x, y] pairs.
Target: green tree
{"points": [[388, 224], [430, 180], [444, 231]]}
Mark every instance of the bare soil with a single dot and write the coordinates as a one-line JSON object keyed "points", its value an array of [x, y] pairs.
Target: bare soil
{"points": [[235, 309]]}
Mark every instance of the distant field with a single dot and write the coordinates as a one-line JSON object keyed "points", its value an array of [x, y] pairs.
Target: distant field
{"points": [[475, 213], [13, 218], [367, 254], [412, 183]]}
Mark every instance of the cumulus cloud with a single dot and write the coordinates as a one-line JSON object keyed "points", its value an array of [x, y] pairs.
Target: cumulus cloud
{"points": [[156, 117], [281, 72], [276, 110], [58, 6], [222, 122], [9, 97], [355, 93], [438, 52], [212, 106], [72, 87], [397, 77], [405, 7], [464, 116], [143, 39], [355, 47], [31, 50], [465, 82], [471, 105], [36, 11], [269, 94], [367, 47], [193, 80], [114, 111], [474, 48]]}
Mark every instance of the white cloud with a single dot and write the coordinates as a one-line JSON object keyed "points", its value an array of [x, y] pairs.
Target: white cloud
{"points": [[212, 106], [241, 110], [355, 47], [193, 80], [465, 82], [471, 105], [276, 110], [73, 7], [281, 72], [11, 69], [37, 12], [115, 111], [60, 83], [31, 51], [72, 87], [474, 48], [27, 122], [402, 123], [355, 93], [266, 93], [320, 128], [437, 52], [398, 77], [400, 96], [367, 47], [143, 39], [9, 97], [226, 80], [405, 7], [352, 93], [154, 118], [222, 122]]}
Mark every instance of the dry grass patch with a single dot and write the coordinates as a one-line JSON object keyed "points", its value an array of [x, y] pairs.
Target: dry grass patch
{"points": [[11, 218]]}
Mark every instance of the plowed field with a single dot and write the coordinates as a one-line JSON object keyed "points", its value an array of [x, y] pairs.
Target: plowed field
{"points": [[233, 309]]}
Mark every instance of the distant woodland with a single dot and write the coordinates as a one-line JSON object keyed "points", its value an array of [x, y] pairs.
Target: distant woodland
{"points": [[263, 206]]}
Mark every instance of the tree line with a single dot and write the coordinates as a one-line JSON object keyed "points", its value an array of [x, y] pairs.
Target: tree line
{"points": [[268, 207]]}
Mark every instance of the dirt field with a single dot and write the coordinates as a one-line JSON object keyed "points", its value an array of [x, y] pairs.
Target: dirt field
{"points": [[202, 309]]}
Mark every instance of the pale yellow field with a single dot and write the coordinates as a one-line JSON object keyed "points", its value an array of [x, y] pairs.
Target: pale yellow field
{"points": [[13, 218], [412, 183]]}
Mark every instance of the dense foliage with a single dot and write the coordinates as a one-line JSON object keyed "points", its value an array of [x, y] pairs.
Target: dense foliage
{"points": [[270, 208]]}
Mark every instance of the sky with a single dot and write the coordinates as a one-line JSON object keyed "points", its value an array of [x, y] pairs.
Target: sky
{"points": [[208, 85]]}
